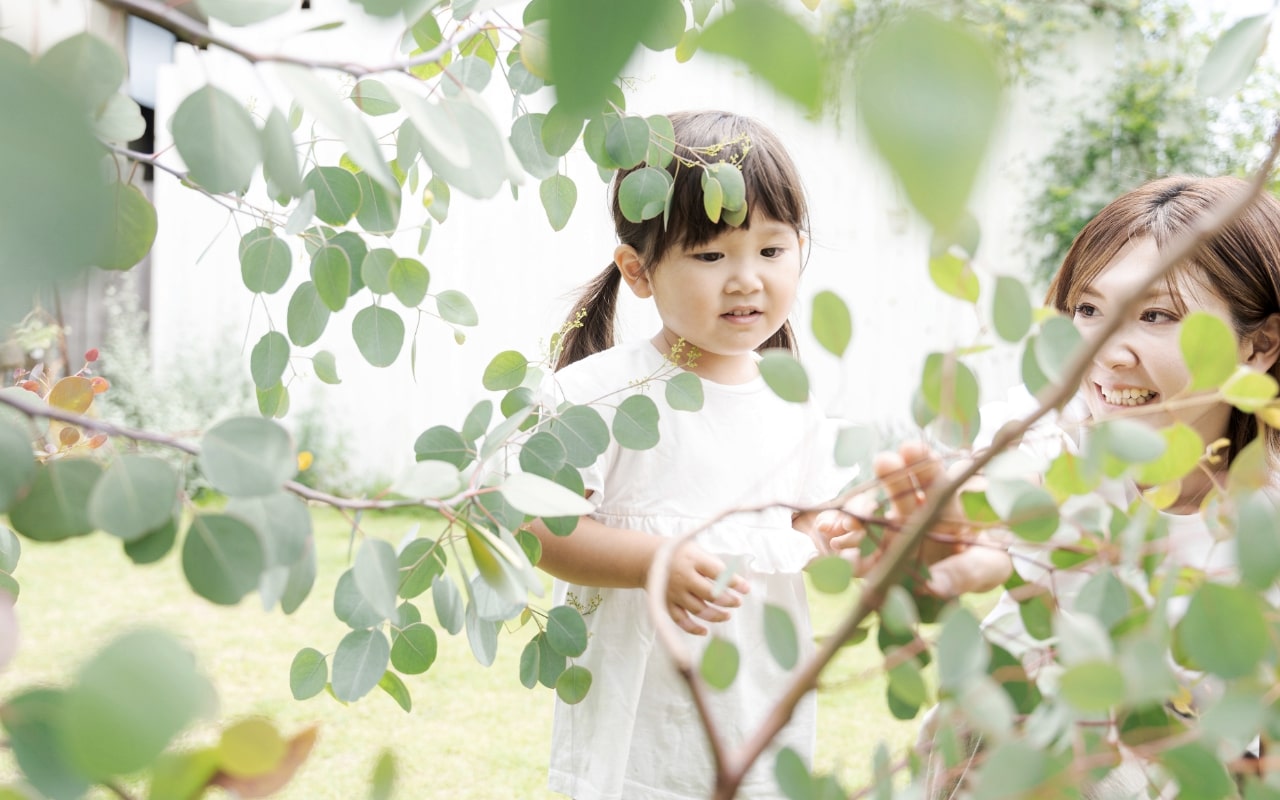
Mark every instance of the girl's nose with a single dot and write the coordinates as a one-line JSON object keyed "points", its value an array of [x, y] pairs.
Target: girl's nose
{"points": [[744, 279]]}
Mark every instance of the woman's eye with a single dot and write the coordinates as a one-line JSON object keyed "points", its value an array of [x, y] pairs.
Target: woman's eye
{"points": [[1151, 315], [1084, 310]]}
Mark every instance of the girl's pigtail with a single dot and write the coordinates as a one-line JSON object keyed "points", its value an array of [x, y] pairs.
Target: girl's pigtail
{"points": [[590, 327], [784, 338]]}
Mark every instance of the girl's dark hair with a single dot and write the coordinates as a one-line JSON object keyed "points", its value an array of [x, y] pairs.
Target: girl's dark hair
{"points": [[1241, 264], [773, 189]]}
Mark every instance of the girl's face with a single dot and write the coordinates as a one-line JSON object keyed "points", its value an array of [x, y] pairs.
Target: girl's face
{"points": [[1141, 366], [725, 297]]}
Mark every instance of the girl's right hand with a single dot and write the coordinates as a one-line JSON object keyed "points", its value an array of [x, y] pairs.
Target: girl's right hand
{"points": [[691, 594]]}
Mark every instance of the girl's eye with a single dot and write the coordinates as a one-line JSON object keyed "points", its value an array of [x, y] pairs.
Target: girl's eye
{"points": [[771, 252], [1085, 310], [708, 257], [1154, 316]]}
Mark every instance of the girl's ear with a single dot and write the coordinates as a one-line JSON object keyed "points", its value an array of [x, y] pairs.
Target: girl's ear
{"points": [[1261, 349], [633, 271]]}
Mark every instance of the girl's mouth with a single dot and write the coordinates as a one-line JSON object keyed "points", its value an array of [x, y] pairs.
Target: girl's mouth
{"points": [[741, 315], [1127, 397]]}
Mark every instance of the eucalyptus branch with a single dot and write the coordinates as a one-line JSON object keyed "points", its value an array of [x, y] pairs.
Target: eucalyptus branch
{"points": [[732, 768], [32, 410], [197, 33], [230, 203]]}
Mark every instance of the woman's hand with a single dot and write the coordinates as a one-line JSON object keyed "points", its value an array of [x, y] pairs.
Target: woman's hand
{"points": [[959, 558], [691, 594]]}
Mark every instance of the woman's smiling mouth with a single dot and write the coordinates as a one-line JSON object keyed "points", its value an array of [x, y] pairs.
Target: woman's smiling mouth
{"points": [[1126, 397]]}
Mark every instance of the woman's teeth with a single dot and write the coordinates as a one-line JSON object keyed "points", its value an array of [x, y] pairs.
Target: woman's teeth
{"points": [[1127, 397]]}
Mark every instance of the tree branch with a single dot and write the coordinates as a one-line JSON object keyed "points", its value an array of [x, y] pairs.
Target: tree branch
{"points": [[732, 767], [31, 409], [189, 30]]}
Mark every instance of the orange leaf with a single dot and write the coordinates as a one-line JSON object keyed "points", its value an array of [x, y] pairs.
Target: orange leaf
{"points": [[100, 385], [68, 436], [74, 394], [268, 784]]}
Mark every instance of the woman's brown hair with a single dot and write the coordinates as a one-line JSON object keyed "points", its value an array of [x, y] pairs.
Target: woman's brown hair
{"points": [[1240, 264], [701, 137]]}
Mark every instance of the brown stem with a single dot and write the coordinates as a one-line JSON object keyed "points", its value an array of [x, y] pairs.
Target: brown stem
{"points": [[189, 30], [31, 409]]}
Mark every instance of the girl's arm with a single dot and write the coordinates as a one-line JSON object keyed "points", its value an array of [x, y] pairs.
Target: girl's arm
{"points": [[597, 555]]}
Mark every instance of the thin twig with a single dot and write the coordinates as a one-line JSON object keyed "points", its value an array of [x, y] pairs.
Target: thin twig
{"points": [[194, 32], [31, 409]]}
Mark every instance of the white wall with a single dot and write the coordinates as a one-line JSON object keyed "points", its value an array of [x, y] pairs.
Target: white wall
{"points": [[866, 245]]}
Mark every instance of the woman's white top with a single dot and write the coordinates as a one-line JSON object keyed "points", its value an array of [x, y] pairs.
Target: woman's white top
{"points": [[637, 734]]}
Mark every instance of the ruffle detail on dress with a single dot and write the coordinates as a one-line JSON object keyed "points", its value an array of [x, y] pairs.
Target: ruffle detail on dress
{"points": [[765, 549]]}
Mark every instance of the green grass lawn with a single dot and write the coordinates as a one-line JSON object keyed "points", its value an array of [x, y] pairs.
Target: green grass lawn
{"points": [[473, 732]]}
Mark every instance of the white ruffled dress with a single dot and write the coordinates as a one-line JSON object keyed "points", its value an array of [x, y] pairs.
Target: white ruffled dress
{"points": [[637, 735]]}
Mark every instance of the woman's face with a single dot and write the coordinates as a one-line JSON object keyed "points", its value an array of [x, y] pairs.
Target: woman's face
{"points": [[1140, 371]]}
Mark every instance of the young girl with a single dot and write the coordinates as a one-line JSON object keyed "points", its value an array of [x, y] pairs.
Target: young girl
{"points": [[722, 293], [1235, 276]]}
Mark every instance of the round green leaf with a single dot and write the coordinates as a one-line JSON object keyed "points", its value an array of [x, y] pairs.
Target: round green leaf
{"points": [[265, 263], [247, 456], [353, 245], [785, 376], [120, 120], [379, 210], [468, 72], [351, 606], [1055, 346], [375, 270], [459, 141], [409, 279], [308, 673], [530, 664], [379, 334], [358, 664], [955, 276], [442, 443], [1249, 391], [774, 44], [372, 98], [132, 231], [543, 454], [302, 576], [326, 367], [154, 544], [1130, 441], [505, 371], [269, 359], [719, 663], [86, 66], [627, 141], [331, 276], [643, 193], [455, 307], [222, 558], [337, 194], [1224, 631], [1209, 348], [129, 702], [684, 392], [282, 522], [583, 433], [1033, 515], [780, 636], [566, 631], [526, 141], [560, 130], [420, 563], [448, 604], [134, 496], [414, 650], [307, 315], [573, 684], [217, 139], [1183, 448], [273, 402], [55, 506], [1092, 686], [377, 576], [662, 137], [1256, 541], [17, 463], [1011, 309], [10, 550], [830, 574], [635, 423], [559, 194], [928, 92], [712, 196], [832, 323]]}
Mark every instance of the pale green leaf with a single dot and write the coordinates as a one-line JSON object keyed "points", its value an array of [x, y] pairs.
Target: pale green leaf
{"points": [[326, 367], [505, 371], [583, 75], [372, 97], [1011, 309], [134, 496], [1232, 57], [308, 673], [954, 276], [643, 193], [120, 120], [566, 631], [379, 335], [573, 684], [1057, 343], [684, 392], [719, 664], [243, 12], [377, 576], [559, 195], [17, 463], [307, 315], [87, 67], [269, 359], [635, 423], [1183, 449], [774, 44], [375, 270], [459, 141], [627, 141], [780, 636], [456, 307], [222, 558], [1249, 390], [337, 194], [379, 206], [247, 456], [279, 156], [265, 264], [1224, 631], [1209, 348], [414, 649], [540, 497], [408, 280], [583, 433], [55, 506], [830, 574], [785, 376], [929, 93], [359, 663], [526, 141], [832, 323], [217, 140], [662, 141]]}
